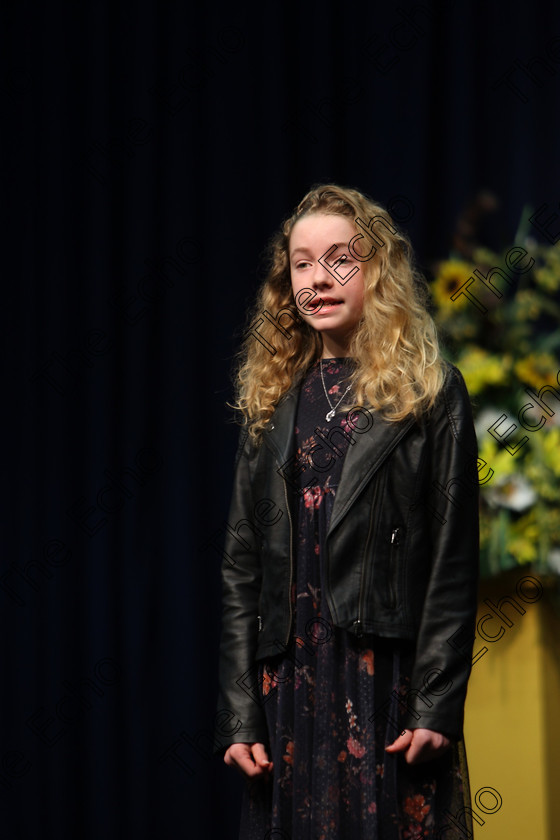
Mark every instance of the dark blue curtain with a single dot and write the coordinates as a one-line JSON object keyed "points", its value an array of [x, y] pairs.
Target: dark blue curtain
{"points": [[148, 152]]}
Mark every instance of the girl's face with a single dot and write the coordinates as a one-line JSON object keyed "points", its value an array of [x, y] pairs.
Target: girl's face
{"points": [[336, 306]]}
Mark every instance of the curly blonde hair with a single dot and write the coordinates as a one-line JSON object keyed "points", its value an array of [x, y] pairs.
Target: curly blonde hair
{"points": [[397, 370]]}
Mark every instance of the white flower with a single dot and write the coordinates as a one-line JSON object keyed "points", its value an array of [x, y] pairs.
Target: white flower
{"points": [[487, 418], [513, 492], [554, 559]]}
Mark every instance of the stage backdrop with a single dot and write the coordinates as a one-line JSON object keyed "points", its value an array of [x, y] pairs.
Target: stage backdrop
{"points": [[149, 150]]}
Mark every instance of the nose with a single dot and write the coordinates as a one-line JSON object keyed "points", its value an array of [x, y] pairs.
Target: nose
{"points": [[322, 278]]}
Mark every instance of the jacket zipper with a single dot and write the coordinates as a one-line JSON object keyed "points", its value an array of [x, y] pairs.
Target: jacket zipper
{"points": [[291, 565], [358, 623], [395, 539]]}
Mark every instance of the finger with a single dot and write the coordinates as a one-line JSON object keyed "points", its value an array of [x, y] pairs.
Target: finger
{"points": [[426, 747], [401, 743], [260, 756], [247, 767], [241, 757]]}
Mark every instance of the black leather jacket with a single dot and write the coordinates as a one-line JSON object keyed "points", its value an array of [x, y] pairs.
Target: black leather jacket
{"points": [[402, 556]]}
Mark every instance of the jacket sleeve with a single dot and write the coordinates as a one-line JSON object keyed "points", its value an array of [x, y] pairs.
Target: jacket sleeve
{"points": [[240, 717], [447, 627]]}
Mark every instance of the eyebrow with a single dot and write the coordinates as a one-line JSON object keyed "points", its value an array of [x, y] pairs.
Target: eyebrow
{"points": [[307, 251]]}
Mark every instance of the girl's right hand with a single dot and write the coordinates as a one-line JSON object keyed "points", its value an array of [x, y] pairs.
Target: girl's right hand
{"points": [[250, 759]]}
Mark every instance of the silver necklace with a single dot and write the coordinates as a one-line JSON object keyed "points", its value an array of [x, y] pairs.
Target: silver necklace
{"points": [[330, 414]]}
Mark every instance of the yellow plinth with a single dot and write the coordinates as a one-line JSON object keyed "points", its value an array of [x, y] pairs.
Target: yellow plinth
{"points": [[512, 718]]}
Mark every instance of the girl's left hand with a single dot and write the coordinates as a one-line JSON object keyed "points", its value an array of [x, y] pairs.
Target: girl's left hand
{"points": [[420, 745]]}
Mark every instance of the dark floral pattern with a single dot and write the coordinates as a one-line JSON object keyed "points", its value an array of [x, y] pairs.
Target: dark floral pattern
{"points": [[332, 778]]}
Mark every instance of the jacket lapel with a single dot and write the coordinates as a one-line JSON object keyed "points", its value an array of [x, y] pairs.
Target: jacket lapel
{"points": [[362, 459], [280, 433]]}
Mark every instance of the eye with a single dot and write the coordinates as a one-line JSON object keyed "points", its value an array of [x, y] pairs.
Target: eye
{"points": [[302, 263], [342, 260]]}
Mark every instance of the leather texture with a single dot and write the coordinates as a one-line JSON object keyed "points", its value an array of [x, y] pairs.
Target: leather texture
{"points": [[402, 555]]}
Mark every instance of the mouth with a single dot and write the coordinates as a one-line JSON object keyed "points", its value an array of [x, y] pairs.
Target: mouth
{"points": [[326, 304]]}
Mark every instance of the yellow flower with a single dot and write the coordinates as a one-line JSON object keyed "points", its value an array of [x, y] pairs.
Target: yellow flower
{"points": [[522, 548], [497, 458], [537, 369], [543, 480], [481, 369], [451, 276], [547, 276], [523, 539], [551, 449]]}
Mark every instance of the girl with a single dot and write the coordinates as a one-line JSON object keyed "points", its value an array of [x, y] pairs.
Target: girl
{"points": [[351, 556]]}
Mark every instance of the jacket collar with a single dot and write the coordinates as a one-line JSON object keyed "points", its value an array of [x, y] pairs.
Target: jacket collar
{"points": [[362, 459]]}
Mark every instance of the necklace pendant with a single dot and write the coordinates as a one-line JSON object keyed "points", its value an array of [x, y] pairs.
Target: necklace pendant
{"points": [[329, 416]]}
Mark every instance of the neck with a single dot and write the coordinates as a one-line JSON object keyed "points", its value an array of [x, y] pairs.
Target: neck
{"points": [[332, 349]]}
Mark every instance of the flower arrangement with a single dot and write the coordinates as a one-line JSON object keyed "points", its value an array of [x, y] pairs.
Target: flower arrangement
{"points": [[499, 318]]}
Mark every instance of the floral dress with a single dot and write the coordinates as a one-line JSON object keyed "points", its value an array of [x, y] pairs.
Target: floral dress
{"points": [[332, 777]]}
